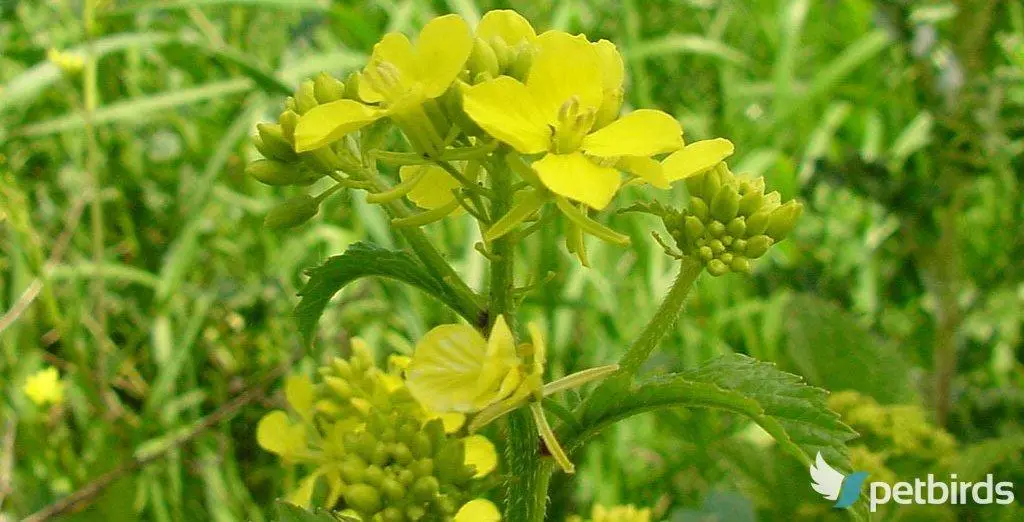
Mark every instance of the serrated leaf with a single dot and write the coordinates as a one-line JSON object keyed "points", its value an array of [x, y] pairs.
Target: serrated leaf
{"points": [[792, 412], [368, 260], [830, 348]]}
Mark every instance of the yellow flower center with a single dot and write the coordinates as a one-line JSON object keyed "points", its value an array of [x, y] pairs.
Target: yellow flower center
{"points": [[573, 125], [386, 78]]}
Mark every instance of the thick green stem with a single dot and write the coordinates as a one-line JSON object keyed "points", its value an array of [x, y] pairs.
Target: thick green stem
{"points": [[526, 491], [663, 319]]}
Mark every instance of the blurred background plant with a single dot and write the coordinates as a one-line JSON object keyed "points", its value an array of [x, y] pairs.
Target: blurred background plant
{"points": [[133, 259]]}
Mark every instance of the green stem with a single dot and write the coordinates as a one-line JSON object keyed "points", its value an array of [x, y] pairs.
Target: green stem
{"points": [[663, 319], [469, 302]]}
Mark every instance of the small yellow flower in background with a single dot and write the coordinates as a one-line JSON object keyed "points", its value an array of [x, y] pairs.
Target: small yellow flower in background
{"points": [[68, 62], [454, 369], [628, 513], [397, 81], [555, 113], [44, 387]]}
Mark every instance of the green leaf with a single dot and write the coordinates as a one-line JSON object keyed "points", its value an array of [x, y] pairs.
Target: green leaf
{"points": [[793, 413], [367, 260], [831, 348], [291, 513]]}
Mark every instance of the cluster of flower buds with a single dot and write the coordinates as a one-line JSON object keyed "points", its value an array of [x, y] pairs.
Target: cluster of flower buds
{"points": [[276, 141], [383, 456], [730, 221]]}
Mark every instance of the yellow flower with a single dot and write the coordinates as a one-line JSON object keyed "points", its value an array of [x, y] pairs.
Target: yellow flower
{"points": [[455, 369], [399, 78], [555, 113], [44, 387], [276, 433]]}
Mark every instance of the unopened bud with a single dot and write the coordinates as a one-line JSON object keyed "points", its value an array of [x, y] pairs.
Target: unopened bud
{"points": [[740, 264], [275, 173], [362, 498], [757, 246], [519, 68], [725, 204], [292, 213], [288, 120], [425, 489], [327, 89], [482, 60], [716, 267], [783, 219], [273, 144], [305, 97]]}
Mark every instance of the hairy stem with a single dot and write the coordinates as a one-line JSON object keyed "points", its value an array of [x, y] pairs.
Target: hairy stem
{"points": [[663, 319]]}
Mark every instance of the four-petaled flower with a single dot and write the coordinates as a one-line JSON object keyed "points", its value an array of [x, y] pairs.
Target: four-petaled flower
{"points": [[557, 111]]}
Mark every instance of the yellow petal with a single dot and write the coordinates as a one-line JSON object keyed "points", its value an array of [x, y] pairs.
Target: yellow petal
{"points": [[395, 50], [506, 110], [498, 373], [565, 66], [613, 71], [298, 390], [696, 158], [480, 454], [434, 190], [452, 421], [44, 387], [640, 133], [276, 434], [540, 349], [442, 50], [644, 168], [446, 367], [478, 510], [576, 177], [507, 25], [331, 121]]}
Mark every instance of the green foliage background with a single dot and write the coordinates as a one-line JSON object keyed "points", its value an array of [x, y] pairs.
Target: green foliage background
{"points": [[133, 258]]}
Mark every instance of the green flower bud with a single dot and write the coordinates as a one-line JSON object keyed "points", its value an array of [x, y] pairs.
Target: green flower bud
{"points": [[275, 173], [327, 89], [422, 467], [402, 454], [706, 253], [425, 489], [740, 264], [450, 461], [380, 454], [288, 120], [362, 498], [750, 202], [502, 52], [292, 213], [699, 208], [725, 204], [717, 267], [694, 185], [305, 97], [273, 144], [339, 386], [374, 475], [740, 245], [447, 504], [757, 223], [482, 60], [716, 246], [352, 86], [757, 246], [783, 219], [415, 513], [365, 446], [711, 185], [406, 477], [392, 514], [422, 447], [716, 229], [737, 227], [694, 228]]}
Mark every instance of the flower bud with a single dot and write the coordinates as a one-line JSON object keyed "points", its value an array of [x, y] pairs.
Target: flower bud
{"points": [[482, 60], [362, 498], [288, 120], [425, 489], [783, 219], [716, 267], [292, 213], [519, 68], [725, 204], [750, 203], [374, 475], [392, 489], [757, 246], [327, 89], [737, 227], [273, 144], [305, 97], [275, 173]]}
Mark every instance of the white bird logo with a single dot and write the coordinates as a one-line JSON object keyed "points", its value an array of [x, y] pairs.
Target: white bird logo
{"points": [[825, 479]]}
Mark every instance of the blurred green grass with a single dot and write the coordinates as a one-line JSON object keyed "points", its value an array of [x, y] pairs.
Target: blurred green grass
{"points": [[161, 297]]}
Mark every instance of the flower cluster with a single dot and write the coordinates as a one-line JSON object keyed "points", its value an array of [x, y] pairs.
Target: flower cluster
{"points": [[539, 111], [379, 454]]}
